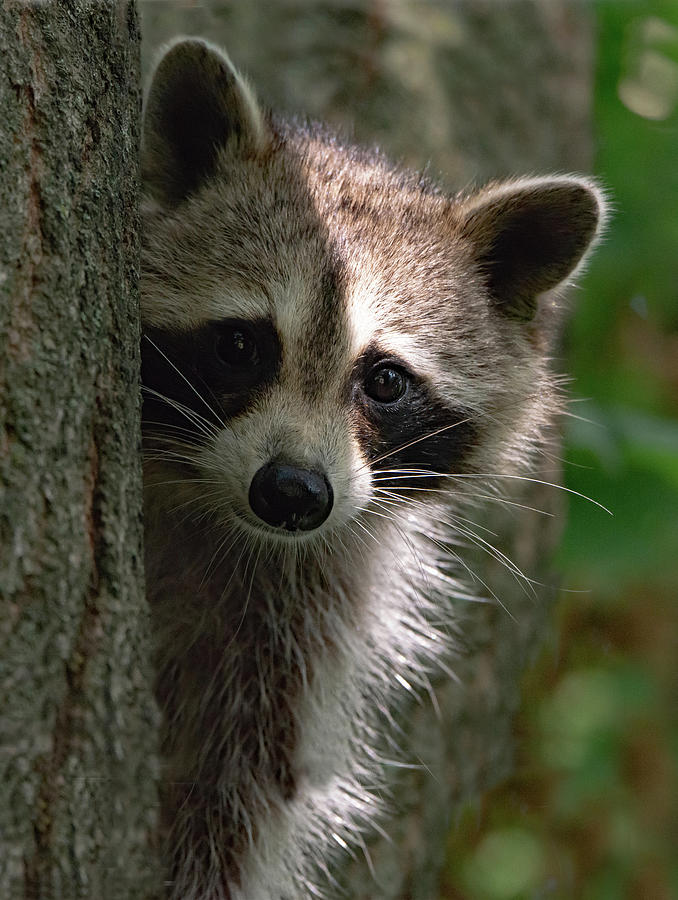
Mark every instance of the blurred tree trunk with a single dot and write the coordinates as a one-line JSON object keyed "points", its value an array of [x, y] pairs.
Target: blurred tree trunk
{"points": [[77, 718], [474, 89]]}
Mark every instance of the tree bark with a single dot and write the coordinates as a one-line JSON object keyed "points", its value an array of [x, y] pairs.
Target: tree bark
{"points": [[78, 722]]}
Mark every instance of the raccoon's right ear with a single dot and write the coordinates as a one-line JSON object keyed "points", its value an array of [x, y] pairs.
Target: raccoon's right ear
{"points": [[528, 235], [197, 107]]}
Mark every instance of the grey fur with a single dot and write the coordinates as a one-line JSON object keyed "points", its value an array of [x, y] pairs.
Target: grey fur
{"points": [[278, 652]]}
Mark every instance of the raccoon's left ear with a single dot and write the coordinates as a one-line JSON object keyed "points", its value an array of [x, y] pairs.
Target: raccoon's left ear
{"points": [[528, 235], [197, 106]]}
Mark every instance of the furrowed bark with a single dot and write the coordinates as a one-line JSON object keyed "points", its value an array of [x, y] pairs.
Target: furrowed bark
{"points": [[77, 732]]}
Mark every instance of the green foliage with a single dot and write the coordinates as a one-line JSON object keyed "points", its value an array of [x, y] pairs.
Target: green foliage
{"points": [[628, 461], [631, 300]]}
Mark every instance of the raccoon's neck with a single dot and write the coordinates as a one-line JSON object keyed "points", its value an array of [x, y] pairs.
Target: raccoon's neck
{"points": [[244, 636]]}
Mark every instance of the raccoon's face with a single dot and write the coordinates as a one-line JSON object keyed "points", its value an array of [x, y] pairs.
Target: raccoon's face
{"points": [[325, 336]]}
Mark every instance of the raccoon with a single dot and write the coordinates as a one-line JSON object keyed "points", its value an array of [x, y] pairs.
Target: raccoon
{"points": [[335, 353]]}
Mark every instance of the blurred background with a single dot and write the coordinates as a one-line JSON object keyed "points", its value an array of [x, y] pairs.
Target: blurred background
{"points": [[486, 88], [594, 801]]}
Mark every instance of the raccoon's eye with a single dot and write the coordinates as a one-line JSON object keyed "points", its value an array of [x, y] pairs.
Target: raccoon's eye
{"points": [[386, 383], [236, 346]]}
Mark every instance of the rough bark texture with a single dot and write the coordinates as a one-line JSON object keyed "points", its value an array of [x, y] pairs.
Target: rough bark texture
{"points": [[77, 730], [475, 89]]}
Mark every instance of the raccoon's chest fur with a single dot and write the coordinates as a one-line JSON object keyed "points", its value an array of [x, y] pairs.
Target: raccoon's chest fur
{"points": [[270, 672], [339, 364]]}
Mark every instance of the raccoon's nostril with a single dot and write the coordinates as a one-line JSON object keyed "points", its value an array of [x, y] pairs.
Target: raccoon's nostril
{"points": [[291, 498]]}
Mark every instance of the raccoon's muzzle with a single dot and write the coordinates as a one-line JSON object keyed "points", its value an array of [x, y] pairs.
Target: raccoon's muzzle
{"points": [[288, 497]]}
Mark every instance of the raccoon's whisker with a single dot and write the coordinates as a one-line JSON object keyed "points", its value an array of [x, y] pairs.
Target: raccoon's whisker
{"points": [[552, 484], [250, 547], [168, 440], [445, 548], [163, 427], [430, 434], [453, 517], [393, 763], [208, 519], [494, 476], [172, 456], [384, 834], [365, 527], [394, 500], [234, 569], [362, 525], [232, 533], [191, 435], [163, 454], [362, 545], [201, 424], [495, 498], [454, 521], [497, 554], [448, 551], [197, 499], [553, 457], [169, 445], [201, 518], [412, 471], [474, 575], [418, 440], [192, 387], [189, 481], [571, 415], [415, 553], [373, 512], [171, 439]]}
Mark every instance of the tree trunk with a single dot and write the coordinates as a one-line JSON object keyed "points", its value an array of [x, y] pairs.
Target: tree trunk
{"points": [[78, 726], [473, 90]]}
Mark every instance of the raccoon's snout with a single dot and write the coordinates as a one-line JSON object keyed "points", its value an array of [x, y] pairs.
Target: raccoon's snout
{"points": [[288, 497]]}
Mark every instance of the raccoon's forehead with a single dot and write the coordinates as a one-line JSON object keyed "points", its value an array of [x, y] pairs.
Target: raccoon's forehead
{"points": [[334, 264], [232, 249]]}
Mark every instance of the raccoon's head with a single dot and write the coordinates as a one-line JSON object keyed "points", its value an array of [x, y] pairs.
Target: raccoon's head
{"points": [[326, 335]]}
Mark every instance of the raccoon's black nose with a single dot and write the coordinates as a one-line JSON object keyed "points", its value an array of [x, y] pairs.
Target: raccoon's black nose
{"points": [[287, 497]]}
